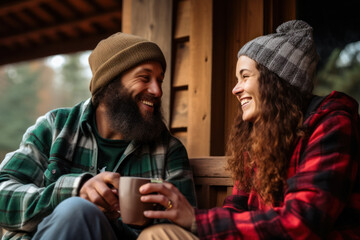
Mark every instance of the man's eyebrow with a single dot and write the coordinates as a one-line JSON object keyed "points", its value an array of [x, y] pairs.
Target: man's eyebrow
{"points": [[147, 70], [143, 70]]}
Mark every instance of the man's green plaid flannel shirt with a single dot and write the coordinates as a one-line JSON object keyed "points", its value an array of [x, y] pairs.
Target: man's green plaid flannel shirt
{"points": [[59, 151]]}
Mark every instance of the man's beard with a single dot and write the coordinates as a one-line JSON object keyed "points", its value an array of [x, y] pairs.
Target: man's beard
{"points": [[125, 117]]}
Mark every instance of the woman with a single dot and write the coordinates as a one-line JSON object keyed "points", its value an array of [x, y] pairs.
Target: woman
{"points": [[295, 155]]}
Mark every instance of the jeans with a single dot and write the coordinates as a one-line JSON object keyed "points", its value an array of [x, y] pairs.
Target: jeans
{"points": [[77, 218]]}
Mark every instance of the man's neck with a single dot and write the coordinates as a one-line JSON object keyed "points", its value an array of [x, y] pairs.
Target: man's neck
{"points": [[103, 125]]}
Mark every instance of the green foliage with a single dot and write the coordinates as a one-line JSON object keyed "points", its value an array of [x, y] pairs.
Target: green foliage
{"points": [[21, 88], [75, 84], [340, 77], [18, 99]]}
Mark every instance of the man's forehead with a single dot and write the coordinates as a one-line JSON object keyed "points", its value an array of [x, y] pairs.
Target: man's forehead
{"points": [[147, 68]]}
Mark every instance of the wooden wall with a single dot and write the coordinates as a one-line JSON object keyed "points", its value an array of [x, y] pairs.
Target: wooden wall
{"points": [[202, 38]]}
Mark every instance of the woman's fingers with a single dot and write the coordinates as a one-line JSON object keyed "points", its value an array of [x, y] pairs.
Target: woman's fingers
{"points": [[178, 209]]}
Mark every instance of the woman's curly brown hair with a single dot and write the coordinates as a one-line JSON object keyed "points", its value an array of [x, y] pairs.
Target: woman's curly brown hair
{"points": [[267, 143]]}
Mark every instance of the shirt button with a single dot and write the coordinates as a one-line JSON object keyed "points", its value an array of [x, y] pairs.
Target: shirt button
{"points": [[53, 171]]}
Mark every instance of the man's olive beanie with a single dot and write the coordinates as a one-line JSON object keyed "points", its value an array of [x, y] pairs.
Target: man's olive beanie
{"points": [[290, 53], [117, 54]]}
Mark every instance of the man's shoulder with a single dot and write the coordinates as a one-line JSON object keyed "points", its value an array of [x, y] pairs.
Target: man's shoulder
{"points": [[170, 138], [78, 111]]}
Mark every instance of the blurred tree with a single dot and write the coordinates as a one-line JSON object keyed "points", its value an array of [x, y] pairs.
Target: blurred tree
{"points": [[74, 82], [24, 85], [340, 76], [18, 99]]}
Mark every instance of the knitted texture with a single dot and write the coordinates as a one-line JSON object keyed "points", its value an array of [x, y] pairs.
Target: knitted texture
{"points": [[118, 53], [290, 53]]}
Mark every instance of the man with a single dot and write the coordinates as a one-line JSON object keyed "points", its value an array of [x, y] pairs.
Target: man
{"points": [[62, 182]]}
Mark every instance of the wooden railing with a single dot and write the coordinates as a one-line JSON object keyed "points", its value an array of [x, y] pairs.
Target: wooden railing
{"points": [[212, 182]]}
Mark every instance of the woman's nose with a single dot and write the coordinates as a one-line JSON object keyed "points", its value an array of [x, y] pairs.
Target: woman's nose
{"points": [[237, 89]]}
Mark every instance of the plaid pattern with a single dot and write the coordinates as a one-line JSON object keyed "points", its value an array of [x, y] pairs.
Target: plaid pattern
{"points": [[290, 53], [322, 200], [59, 151]]}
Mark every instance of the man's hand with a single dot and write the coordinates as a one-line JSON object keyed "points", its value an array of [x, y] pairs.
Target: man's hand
{"points": [[102, 190], [178, 209]]}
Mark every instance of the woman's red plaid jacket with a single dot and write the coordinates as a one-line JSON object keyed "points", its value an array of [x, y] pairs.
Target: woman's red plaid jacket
{"points": [[322, 200]]}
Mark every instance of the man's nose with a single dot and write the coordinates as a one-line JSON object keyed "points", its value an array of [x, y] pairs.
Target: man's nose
{"points": [[155, 88]]}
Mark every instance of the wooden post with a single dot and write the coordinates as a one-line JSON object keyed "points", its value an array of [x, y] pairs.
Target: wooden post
{"points": [[201, 40]]}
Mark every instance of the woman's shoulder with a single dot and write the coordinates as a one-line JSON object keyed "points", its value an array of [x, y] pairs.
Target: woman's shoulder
{"points": [[330, 104]]}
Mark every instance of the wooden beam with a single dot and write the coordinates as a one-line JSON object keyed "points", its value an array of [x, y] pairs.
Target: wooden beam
{"points": [[70, 46], [182, 28], [210, 166], [201, 42], [126, 16], [181, 64], [18, 6], [83, 23]]}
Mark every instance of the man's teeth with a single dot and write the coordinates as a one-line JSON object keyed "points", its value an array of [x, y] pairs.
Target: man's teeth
{"points": [[244, 101], [147, 103]]}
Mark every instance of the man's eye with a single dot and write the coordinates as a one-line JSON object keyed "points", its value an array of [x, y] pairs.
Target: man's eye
{"points": [[145, 78]]}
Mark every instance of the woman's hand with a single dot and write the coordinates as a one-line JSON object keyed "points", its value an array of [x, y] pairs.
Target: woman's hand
{"points": [[178, 209]]}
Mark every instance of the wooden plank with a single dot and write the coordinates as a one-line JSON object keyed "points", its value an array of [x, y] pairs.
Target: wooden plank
{"points": [[203, 197], [209, 166], [200, 78], [20, 5], [84, 24], [181, 66], [182, 24], [229, 190], [221, 194], [214, 181], [179, 118], [126, 16], [60, 8], [64, 47], [107, 3], [82, 6]]}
